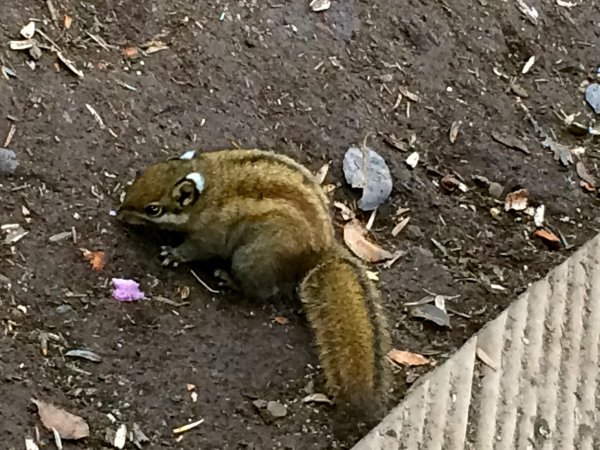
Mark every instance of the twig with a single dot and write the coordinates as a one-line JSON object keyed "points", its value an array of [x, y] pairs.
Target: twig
{"points": [[52, 11], [10, 135], [206, 286]]}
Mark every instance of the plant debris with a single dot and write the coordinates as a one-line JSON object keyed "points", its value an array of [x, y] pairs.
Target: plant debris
{"points": [[516, 200], [317, 398], [187, 427], [69, 426], [511, 142], [549, 238], [96, 259], [85, 354], [406, 358], [432, 313], [454, 131], [367, 170], [355, 236]]}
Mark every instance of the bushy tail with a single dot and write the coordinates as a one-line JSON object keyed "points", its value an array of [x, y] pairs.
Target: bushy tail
{"points": [[342, 306]]}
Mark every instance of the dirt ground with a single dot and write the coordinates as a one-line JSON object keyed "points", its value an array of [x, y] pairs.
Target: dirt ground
{"points": [[277, 76]]}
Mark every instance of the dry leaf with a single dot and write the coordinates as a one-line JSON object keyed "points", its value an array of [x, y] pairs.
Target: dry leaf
{"points": [[483, 356], [356, 239], [280, 320], [184, 292], [412, 97], [190, 386], [516, 200], [345, 211], [405, 358], [454, 131], [97, 259], [317, 398], [548, 237], [321, 174], [154, 46], [398, 228], [68, 22], [68, 425]]}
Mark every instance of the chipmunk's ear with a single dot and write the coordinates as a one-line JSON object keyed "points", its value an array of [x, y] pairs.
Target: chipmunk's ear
{"points": [[187, 190]]}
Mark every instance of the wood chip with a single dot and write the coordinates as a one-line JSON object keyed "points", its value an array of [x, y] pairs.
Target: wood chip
{"points": [[187, 427], [355, 237], [406, 358], [516, 200], [548, 237]]}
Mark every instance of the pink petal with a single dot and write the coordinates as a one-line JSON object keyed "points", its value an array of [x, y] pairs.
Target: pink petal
{"points": [[126, 290]]}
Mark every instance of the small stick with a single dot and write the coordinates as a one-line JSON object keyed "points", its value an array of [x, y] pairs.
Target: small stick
{"points": [[187, 427], [206, 286], [11, 133]]}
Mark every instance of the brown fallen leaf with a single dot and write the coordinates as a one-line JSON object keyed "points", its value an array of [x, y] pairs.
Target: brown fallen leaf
{"points": [[280, 320], [548, 237], [355, 237], [97, 259], [69, 426], [516, 200], [405, 358]]}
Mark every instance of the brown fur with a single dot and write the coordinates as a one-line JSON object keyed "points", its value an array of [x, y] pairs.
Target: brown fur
{"points": [[270, 217], [342, 306]]}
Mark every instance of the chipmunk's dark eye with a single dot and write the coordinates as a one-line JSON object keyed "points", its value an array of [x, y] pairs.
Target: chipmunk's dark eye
{"points": [[153, 210]]}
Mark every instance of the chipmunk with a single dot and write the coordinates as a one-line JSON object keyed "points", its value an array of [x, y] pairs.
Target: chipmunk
{"points": [[269, 217]]}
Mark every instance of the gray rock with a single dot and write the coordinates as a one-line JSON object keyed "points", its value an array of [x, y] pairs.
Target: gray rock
{"points": [[375, 181], [592, 96], [8, 161]]}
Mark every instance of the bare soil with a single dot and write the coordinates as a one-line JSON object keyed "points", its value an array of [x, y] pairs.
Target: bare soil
{"points": [[275, 76]]}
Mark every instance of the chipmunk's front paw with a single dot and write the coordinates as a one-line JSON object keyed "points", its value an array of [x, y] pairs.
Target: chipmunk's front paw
{"points": [[169, 257]]}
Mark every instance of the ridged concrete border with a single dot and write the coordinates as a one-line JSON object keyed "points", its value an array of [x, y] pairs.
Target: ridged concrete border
{"points": [[542, 391]]}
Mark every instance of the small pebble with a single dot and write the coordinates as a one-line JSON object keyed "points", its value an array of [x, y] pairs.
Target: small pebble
{"points": [[496, 189], [276, 409], [8, 161]]}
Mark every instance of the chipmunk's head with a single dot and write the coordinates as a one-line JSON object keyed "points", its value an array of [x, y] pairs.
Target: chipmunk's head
{"points": [[163, 194]]}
